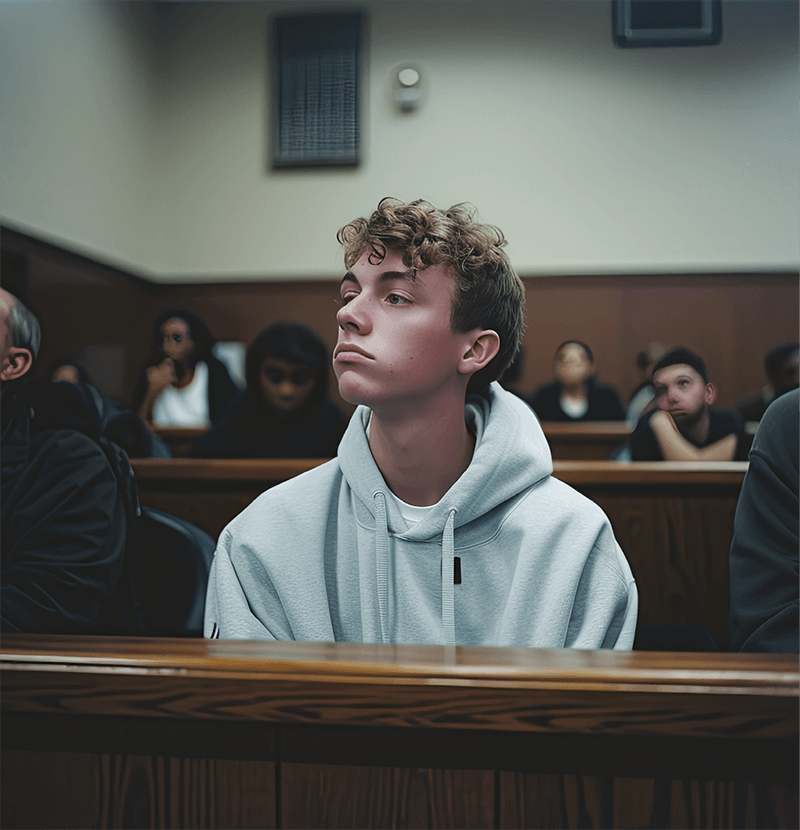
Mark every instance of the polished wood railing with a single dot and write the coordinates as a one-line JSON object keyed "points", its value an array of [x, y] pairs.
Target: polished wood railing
{"points": [[582, 441], [152, 733]]}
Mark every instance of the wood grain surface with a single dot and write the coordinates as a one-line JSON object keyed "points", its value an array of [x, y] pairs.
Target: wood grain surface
{"points": [[129, 732], [404, 686]]}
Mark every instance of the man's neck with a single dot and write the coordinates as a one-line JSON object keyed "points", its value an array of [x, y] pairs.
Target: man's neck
{"points": [[422, 456], [576, 391], [697, 431]]}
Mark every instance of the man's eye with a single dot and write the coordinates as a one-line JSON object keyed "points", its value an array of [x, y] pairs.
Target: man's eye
{"points": [[346, 298], [396, 299]]}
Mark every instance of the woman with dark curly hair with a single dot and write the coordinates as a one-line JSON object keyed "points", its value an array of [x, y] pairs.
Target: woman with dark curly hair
{"points": [[184, 384], [285, 411]]}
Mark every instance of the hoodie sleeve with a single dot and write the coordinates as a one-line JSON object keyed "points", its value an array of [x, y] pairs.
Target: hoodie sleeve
{"points": [[607, 602], [240, 597]]}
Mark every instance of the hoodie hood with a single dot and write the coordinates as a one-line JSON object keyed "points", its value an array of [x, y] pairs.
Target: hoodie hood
{"points": [[508, 459]]}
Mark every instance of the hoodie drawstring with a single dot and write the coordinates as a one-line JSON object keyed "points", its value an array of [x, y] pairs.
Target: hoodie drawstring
{"points": [[448, 595], [382, 560], [382, 570]]}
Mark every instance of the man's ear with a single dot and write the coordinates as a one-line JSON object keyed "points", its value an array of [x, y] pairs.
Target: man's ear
{"points": [[16, 363], [484, 346], [711, 393]]}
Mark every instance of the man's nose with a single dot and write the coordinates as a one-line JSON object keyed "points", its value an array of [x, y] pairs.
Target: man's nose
{"points": [[354, 315]]}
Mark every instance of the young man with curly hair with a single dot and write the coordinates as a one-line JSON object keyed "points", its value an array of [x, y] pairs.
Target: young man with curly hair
{"points": [[439, 520]]}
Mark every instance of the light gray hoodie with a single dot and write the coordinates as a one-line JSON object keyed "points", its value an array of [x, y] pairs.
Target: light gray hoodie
{"points": [[327, 555]]}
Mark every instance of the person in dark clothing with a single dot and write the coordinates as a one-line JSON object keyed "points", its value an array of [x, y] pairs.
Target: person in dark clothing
{"points": [[117, 422], [764, 552], [285, 411], [684, 427], [575, 395], [183, 383], [782, 366], [63, 515]]}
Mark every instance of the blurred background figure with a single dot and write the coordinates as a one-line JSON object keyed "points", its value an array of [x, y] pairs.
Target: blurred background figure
{"points": [[643, 397], [285, 411], [575, 394], [183, 383], [781, 367], [68, 370], [683, 426], [116, 422]]}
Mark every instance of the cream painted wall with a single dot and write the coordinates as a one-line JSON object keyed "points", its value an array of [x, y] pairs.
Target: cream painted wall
{"points": [[590, 158], [76, 122]]}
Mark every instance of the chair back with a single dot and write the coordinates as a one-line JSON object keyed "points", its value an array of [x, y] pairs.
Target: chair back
{"points": [[172, 566]]}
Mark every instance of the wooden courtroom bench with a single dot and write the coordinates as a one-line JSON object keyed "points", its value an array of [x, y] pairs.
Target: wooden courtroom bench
{"points": [[179, 439], [591, 440], [673, 520], [130, 732]]}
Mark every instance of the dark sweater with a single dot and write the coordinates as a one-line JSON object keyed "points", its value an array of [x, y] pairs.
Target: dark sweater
{"points": [[249, 431], [604, 404], [645, 447], [764, 553]]}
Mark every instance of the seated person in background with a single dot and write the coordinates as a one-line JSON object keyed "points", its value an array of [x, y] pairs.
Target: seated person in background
{"points": [[575, 395], [764, 552], [643, 397], [67, 370], [64, 524], [116, 422], [684, 427], [439, 521], [285, 411], [184, 385], [781, 365]]}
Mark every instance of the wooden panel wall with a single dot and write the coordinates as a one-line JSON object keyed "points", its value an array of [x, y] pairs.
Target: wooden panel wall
{"points": [[87, 308]]}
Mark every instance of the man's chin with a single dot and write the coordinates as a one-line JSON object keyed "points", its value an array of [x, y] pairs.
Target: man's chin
{"points": [[686, 420]]}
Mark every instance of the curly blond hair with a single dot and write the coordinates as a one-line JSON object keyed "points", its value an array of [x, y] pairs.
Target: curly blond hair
{"points": [[487, 293]]}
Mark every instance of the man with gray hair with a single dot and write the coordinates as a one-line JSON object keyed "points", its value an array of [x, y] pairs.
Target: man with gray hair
{"points": [[20, 337], [63, 514]]}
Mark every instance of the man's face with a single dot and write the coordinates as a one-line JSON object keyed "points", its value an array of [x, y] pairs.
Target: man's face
{"points": [[681, 391], [66, 373], [572, 365], [396, 346], [176, 340], [285, 386]]}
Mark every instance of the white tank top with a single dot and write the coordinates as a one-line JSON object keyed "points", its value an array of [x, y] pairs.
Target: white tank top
{"points": [[187, 407]]}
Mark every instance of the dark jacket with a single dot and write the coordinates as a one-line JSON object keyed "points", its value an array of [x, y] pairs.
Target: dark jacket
{"points": [[604, 404], [645, 447], [764, 552], [64, 526], [221, 389], [248, 431]]}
